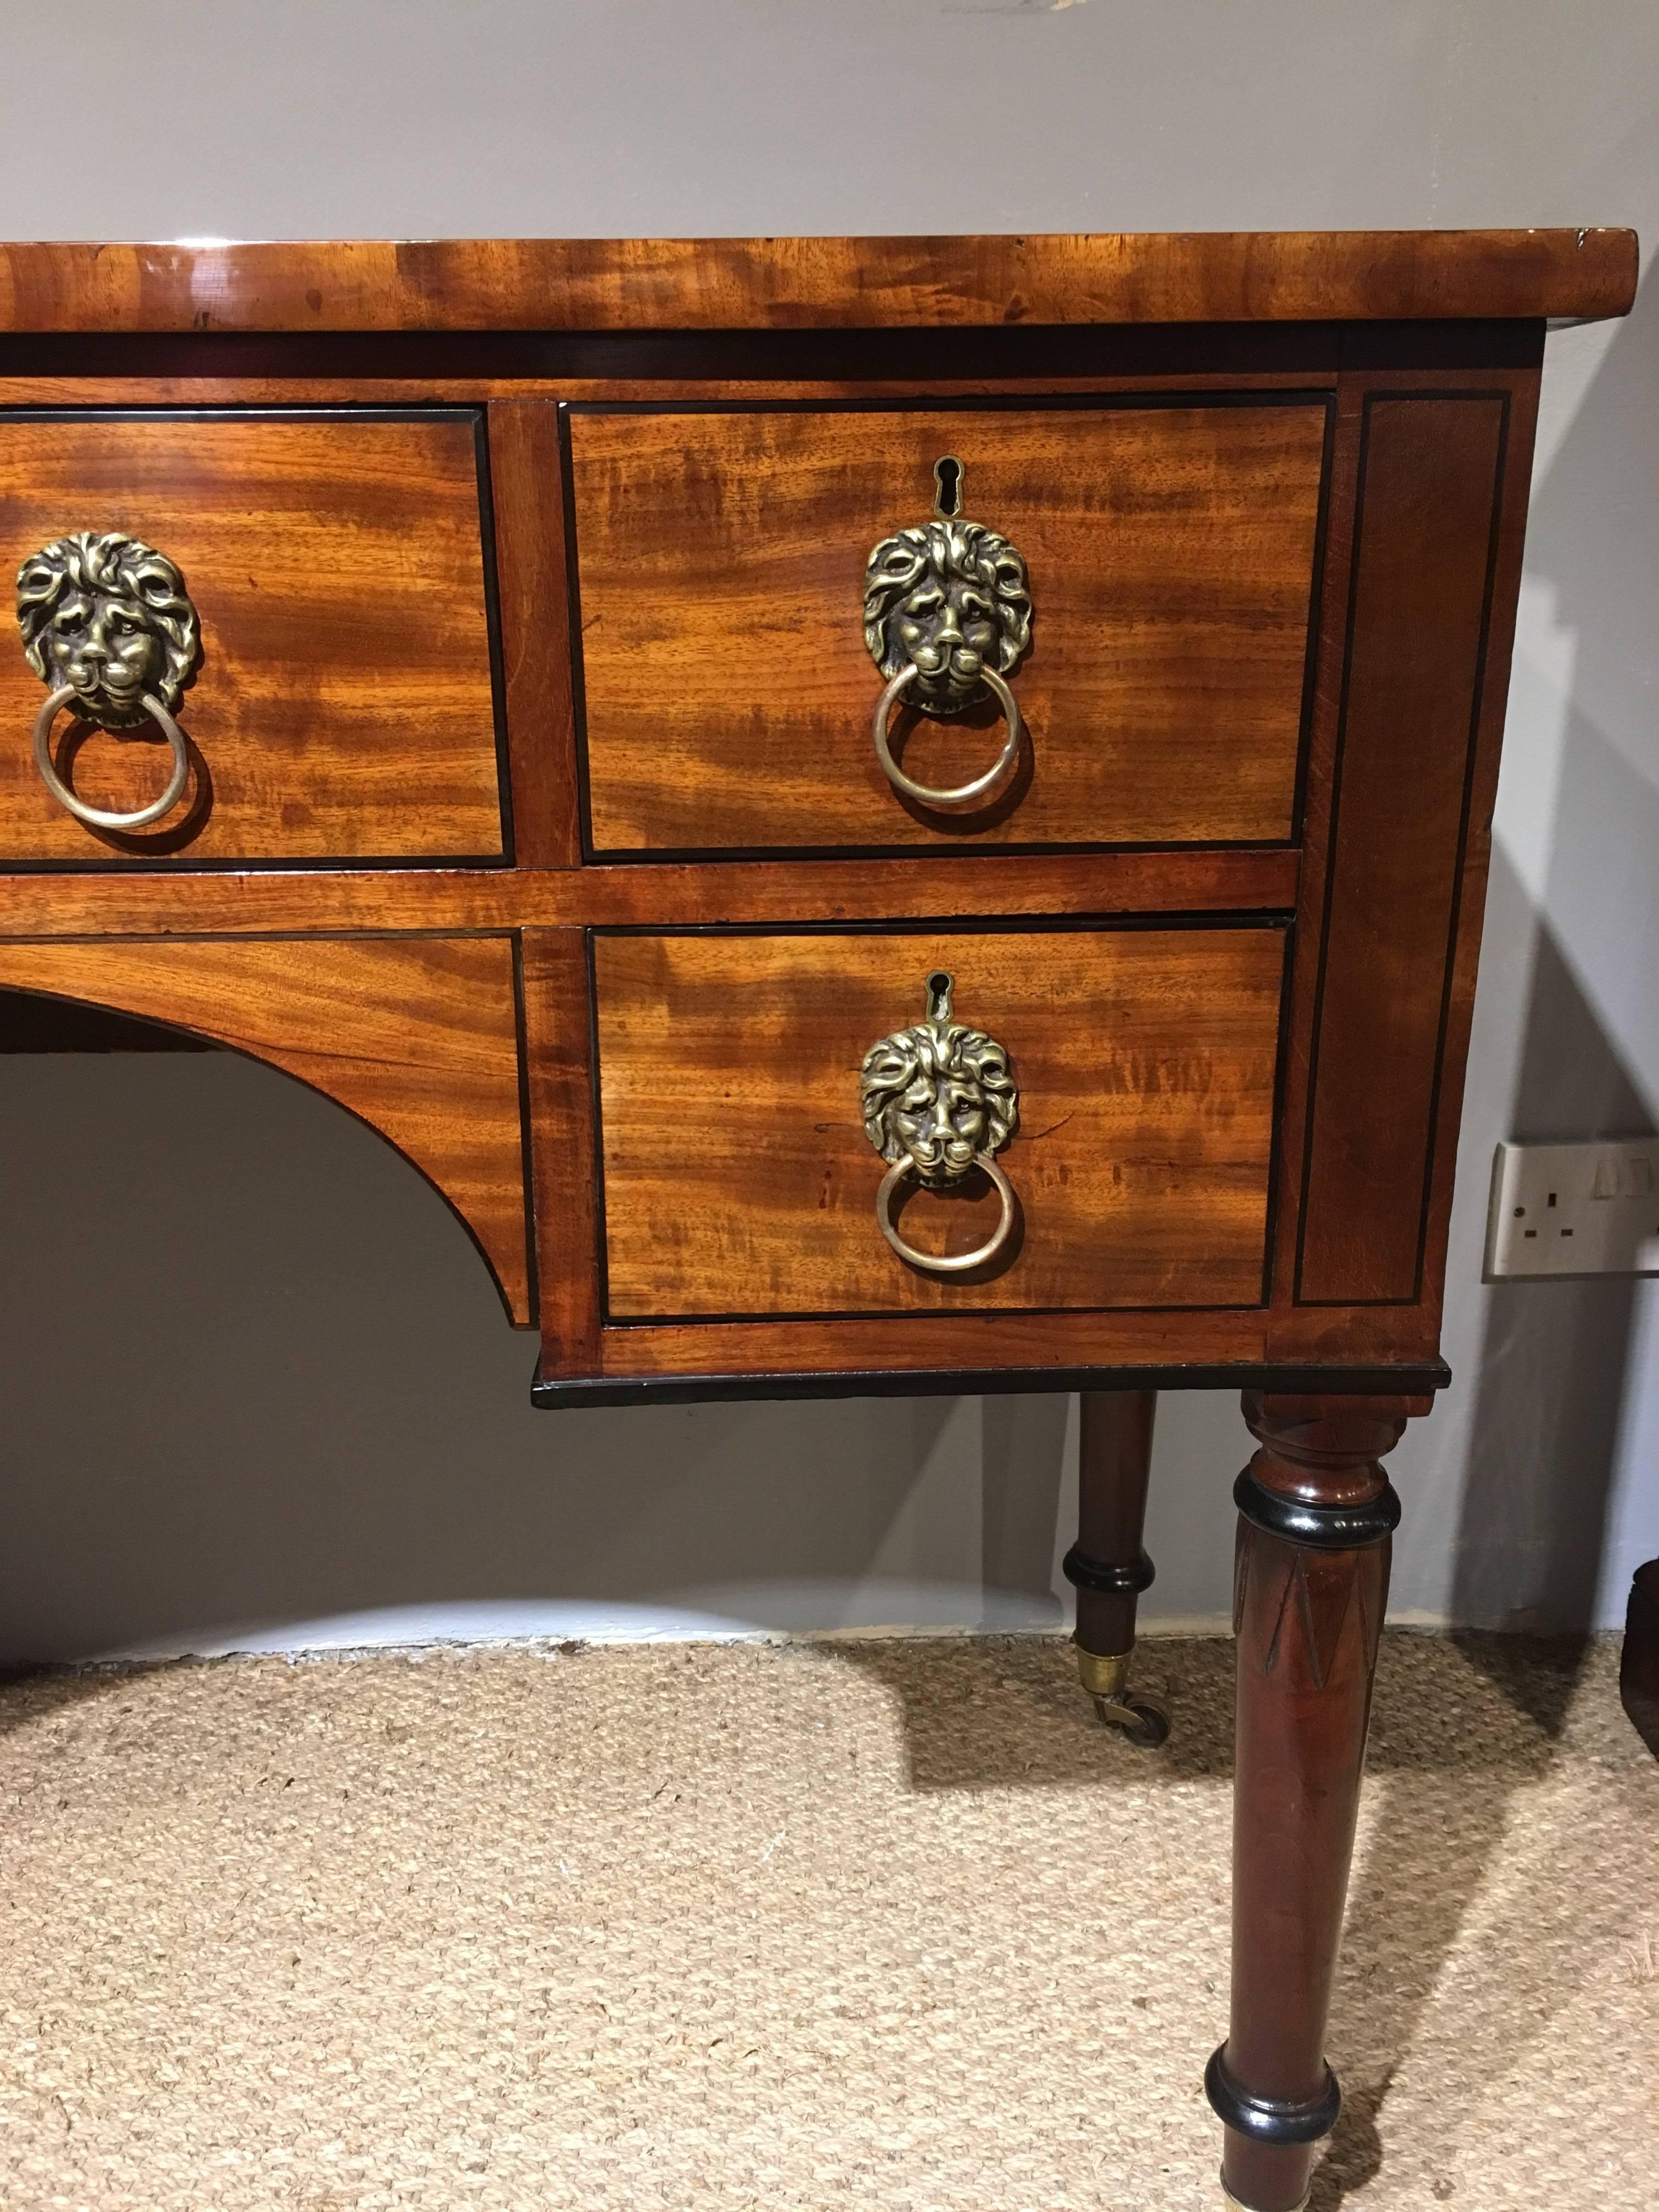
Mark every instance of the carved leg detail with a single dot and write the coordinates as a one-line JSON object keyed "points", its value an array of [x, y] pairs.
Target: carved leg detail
{"points": [[1316, 1516], [1106, 1566]]}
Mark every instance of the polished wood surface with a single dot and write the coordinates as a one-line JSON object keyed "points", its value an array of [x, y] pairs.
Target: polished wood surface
{"points": [[738, 367], [559, 1043], [1360, 1331], [1481, 799], [738, 1178], [1428, 496], [735, 1355], [738, 283], [728, 692], [418, 1037], [1308, 1621], [1114, 1471], [945, 882], [527, 471], [344, 707], [237, 902]]}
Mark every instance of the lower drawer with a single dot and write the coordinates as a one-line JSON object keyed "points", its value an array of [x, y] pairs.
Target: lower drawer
{"points": [[739, 1179]]}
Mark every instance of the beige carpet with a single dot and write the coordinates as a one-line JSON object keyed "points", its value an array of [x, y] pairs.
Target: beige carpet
{"points": [[892, 1925]]}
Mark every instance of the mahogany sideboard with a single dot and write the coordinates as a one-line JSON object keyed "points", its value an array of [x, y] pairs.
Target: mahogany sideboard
{"points": [[876, 815]]}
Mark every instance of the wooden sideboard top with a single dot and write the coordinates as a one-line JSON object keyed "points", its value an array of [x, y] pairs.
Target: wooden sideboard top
{"points": [[772, 283]]}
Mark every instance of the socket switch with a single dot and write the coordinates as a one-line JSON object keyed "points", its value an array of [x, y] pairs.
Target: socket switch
{"points": [[1574, 1210]]}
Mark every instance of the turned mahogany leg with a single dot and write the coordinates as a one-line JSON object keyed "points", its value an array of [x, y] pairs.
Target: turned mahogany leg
{"points": [[1316, 1516], [1106, 1566]]}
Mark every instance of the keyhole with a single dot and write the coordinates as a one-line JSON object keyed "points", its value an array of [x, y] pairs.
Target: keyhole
{"points": [[939, 988], [947, 481]]}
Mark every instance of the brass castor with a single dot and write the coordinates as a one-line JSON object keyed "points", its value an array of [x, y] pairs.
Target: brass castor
{"points": [[1143, 1720]]}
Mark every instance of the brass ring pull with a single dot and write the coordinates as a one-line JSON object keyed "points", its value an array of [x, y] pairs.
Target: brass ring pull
{"points": [[938, 1100], [941, 1263], [947, 614], [108, 628], [962, 795], [98, 818]]}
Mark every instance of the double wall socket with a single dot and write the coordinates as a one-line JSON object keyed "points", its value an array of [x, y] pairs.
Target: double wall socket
{"points": [[1574, 1210]]}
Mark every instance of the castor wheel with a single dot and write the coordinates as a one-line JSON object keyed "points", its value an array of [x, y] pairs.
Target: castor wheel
{"points": [[1105, 1676], [1144, 1722]]}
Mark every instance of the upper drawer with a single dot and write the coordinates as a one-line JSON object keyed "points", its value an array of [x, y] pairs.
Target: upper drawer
{"points": [[729, 691], [340, 701]]}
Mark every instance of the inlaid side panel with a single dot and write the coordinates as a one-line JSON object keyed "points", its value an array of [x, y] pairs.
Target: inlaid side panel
{"points": [[729, 693], [344, 707], [559, 1047], [1421, 604], [526, 470], [738, 1178], [417, 1036]]}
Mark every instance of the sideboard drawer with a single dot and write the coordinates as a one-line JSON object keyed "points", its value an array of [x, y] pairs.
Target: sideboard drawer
{"points": [[320, 625], [729, 691], [739, 1179]]}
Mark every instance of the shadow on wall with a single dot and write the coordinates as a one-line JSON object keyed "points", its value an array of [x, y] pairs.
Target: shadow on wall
{"points": [[258, 1386], [1555, 1365], [1022, 1454], [1550, 1392], [1547, 1398]]}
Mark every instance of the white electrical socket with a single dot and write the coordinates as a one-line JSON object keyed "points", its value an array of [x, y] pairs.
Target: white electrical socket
{"points": [[1574, 1210]]}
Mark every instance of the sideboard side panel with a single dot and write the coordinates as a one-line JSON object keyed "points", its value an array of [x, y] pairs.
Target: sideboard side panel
{"points": [[558, 1014], [1425, 569]]}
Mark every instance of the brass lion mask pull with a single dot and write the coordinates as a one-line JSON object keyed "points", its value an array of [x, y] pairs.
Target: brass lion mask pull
{"points": [[111, 631], [947, 614], [938, 1101]]}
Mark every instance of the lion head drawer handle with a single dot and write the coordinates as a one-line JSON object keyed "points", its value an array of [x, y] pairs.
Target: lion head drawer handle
{"points": [[110, 630], [947, 612], [939, 1100]]}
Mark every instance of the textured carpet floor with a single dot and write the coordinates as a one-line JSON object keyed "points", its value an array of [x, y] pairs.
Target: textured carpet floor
{"points": [[894, 1926]]}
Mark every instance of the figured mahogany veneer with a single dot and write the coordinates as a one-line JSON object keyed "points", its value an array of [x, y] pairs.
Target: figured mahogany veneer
{"points": [[1272, 597], [344, 705], [1146, 1062], [253, 902], [773, 283], [727, 690], [1431, 485], [1274, 561], [417, 1036], [1325, 670]]}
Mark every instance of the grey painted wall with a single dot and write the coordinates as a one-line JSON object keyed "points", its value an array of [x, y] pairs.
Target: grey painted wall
{"points": [[257, 1388]]}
